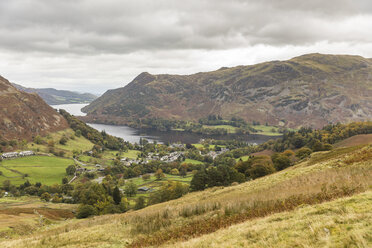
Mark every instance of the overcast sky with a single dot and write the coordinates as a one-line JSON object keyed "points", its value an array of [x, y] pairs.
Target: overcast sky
{"points": [[95, 45]]}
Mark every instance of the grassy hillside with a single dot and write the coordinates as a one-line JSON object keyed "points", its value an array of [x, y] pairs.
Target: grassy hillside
{"points": [[24, 116], [20, 215], [74, 143], [303, 205], [342, 223]]}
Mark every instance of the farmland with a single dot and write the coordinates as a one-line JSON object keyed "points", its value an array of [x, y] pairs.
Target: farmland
{"points": [[45, 169]]}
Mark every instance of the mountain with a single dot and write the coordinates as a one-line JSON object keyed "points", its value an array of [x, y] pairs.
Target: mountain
{"points": [[24, 115], [309, 90], [54, 97]]}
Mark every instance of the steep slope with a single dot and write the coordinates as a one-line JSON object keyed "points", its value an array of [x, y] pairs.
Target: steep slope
{"points": [[54, 97], [309, 90], [24, 115]]}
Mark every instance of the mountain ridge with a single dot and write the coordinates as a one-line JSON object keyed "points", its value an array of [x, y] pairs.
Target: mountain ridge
{"points": [[54, 97], [308, 90]]}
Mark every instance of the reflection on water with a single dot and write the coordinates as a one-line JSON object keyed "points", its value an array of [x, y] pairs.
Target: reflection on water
{"points": [[133, 135]]}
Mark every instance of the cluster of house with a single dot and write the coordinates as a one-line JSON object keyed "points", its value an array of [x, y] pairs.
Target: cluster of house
{"points": [[128, 162], [177, 145], [171, 157], [17, 154], [214, 154]]}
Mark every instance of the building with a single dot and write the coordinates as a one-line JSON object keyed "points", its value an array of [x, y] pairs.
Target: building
{"points": [[26, 153], [143, 189], [10, 155]]}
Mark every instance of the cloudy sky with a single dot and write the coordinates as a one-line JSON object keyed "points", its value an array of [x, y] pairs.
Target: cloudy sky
{"points": [[95, 45]]}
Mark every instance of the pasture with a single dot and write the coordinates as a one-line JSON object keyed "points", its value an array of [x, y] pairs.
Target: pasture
{"points": [[44, 169]]}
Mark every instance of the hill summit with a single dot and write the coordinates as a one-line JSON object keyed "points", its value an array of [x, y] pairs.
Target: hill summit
{"points": [[309, 90], [24, 115]]}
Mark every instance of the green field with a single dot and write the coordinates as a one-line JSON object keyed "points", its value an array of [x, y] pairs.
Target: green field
{"points": [[133, 154], [230, 129], [267, 130], [191, 161], [44, 169]]}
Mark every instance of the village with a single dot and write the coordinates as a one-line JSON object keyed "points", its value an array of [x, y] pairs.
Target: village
{"points": [[9, 155]]}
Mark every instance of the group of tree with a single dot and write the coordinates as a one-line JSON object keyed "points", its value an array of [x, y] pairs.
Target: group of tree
{"points": [[222, 175], [317, 140], [99, 138]]}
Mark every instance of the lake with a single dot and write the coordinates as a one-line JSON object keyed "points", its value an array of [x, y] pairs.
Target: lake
{"points": [[133, 135], [74, 109]]}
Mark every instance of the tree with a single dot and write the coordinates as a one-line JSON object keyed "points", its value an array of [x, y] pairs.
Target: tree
{"points": [[70, 170], [45, 196], [63, 140], [304, 152], [199, 181], [159, 174], [130, 189], [64, 180], [85, 211], [260, 170], [280, 161], [6, 185], [38, 140], [174, 172], [183, 172], [116, 195], [78, 133]]}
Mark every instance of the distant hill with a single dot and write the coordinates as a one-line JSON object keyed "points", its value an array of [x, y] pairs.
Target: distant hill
{"points": [[24, 115], [309, 90], [54, 97]]}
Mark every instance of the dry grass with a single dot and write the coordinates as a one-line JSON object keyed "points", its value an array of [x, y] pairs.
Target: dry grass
{"points": [[216, 209], [346, 222], [356, 140]]}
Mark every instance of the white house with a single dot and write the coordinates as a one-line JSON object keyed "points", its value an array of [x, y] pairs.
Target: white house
{"points": [[10, 155]]}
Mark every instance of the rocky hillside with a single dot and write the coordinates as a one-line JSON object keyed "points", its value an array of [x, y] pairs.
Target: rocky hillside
{"points": [[54, 97], [24, 115], [310, 90]]}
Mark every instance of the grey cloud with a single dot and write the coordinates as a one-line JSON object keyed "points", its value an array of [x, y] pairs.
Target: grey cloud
{"points": [[93, 45], [120, 27]]}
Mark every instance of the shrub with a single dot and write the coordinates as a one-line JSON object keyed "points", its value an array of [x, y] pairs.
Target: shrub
{"points": [[304, 152], [63, 140], [85, 211], [70, 170], [45, 196], [260, 170], [174, 172]]}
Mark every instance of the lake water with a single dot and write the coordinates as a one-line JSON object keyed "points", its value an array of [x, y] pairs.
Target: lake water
{"points": [[133, 135], [74, 109]]}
